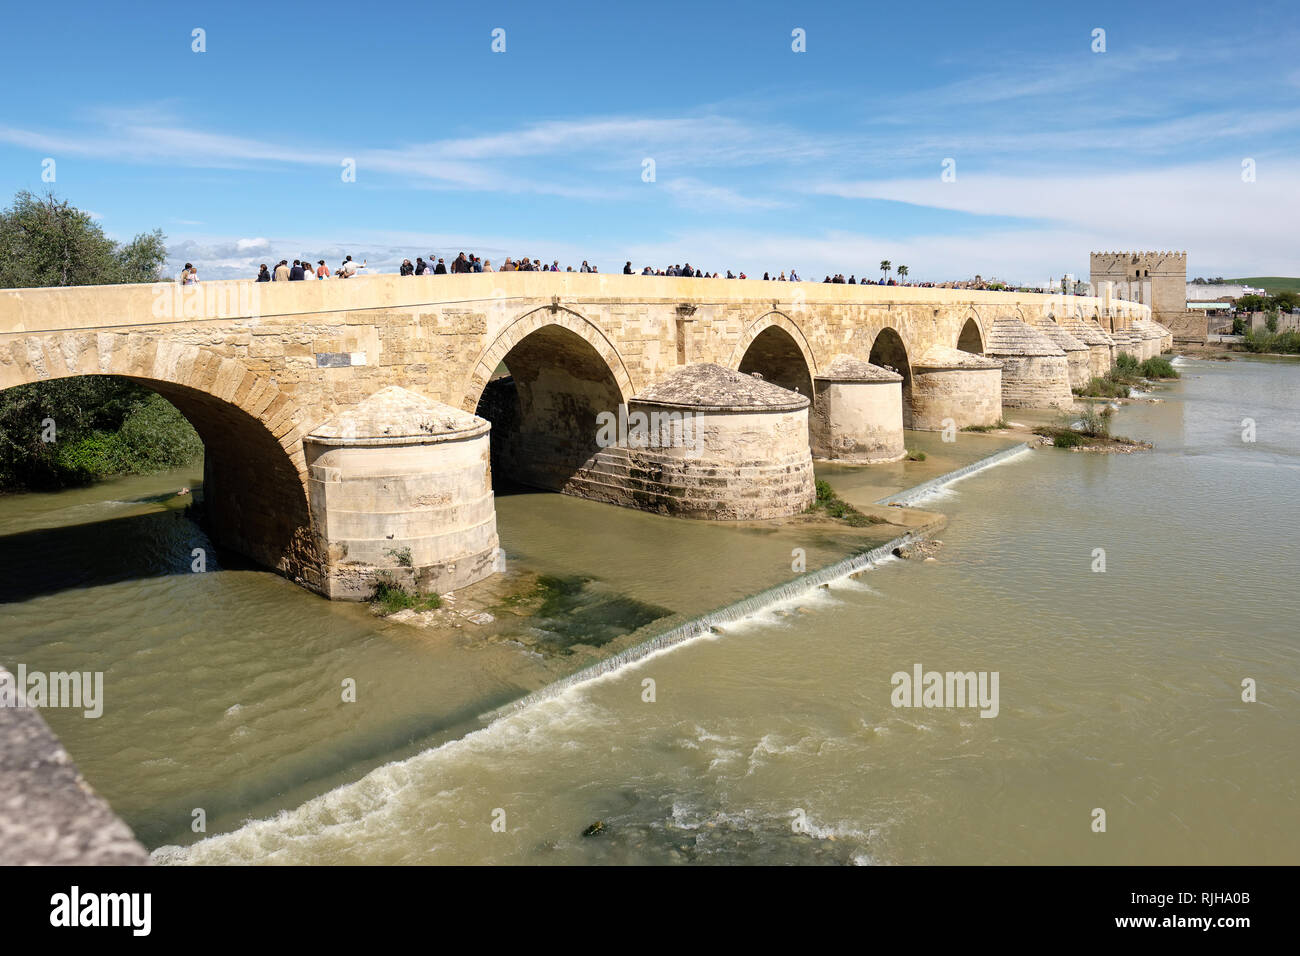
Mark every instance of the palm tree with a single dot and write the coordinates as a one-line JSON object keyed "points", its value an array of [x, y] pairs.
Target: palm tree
{"points": [[902, 273], [885, 267]]}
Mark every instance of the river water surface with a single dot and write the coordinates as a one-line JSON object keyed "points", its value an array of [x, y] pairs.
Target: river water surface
{"points": [[775, 741]]}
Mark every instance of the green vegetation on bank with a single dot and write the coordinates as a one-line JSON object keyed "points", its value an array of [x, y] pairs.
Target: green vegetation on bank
{"points": [[1103, 387], [999, 424], [1158, 367], [73, 431], [390, 597], [1126, 374], [1071, 432], [1090, 430], [833, 506], [1285, 343]]}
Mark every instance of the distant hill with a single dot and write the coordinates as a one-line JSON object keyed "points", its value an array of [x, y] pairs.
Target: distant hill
{"points": [[1271, 284]]}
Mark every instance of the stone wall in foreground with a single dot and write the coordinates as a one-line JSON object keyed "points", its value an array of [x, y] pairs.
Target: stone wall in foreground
{"points": [[49, 815]]}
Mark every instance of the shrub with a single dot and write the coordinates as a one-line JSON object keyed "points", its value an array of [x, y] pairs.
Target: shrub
{"points": [[833, 506], [1064, 438], [1282, 342], [1126, 362], [390, 597], [916, 456], [1159, 368], [1095, 422], [1104, 387], [1000, 423], [1238, 325]]}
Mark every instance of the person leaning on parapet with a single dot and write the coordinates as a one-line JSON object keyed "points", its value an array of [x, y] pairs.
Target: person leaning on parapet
{"points": [[264, 274], [420, 266], [189, 275], [440, 269], [322, 270], [281, 273], [349, 268], [297, 273]]}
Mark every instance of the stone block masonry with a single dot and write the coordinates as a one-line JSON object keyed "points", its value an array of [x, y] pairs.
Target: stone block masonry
{"points": [[258, 367]]}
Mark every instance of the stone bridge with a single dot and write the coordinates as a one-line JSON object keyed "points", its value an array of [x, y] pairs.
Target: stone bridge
{"points": [[342, 419]]}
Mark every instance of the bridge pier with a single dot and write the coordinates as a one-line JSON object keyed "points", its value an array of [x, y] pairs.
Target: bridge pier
{"points": [[951, 384], [708, 442], [1078, 358], [1035, 371], [400, 490], [857, 413]]}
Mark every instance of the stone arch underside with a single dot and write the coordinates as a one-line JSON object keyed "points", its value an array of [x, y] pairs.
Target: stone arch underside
{"points": [[254, 493], [775, 355], [544, 404], [971, 338], [888, 351], [782, 322]]}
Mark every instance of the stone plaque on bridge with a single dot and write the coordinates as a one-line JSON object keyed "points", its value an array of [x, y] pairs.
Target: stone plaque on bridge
{"points": [[333, 359]]}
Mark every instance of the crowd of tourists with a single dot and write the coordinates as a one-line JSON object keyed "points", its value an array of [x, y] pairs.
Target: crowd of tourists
{"points": [[302, 269]]}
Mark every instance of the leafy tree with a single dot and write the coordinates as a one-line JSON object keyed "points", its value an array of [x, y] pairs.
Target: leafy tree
{"points": [[1286, 301], [103, 425], [45, 241]]}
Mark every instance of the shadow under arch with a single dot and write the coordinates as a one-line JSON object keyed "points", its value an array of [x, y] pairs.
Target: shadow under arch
{"points": [[888, 351], [774, 319], [775, 355], [971, 338], [543, 399], [254, 494], [488, 364]]}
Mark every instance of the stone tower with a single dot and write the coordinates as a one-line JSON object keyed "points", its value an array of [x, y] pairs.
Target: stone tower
{"points": [[1156, 279]]}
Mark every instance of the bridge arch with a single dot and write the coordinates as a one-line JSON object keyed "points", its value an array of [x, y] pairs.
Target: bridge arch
{"points": [[555, 315], [255, 496], [971, 337], [774, 346], [889, 351], [542, 383]]}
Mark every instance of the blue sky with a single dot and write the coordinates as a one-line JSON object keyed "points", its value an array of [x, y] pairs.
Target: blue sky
{"points": [[764, 158]]}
